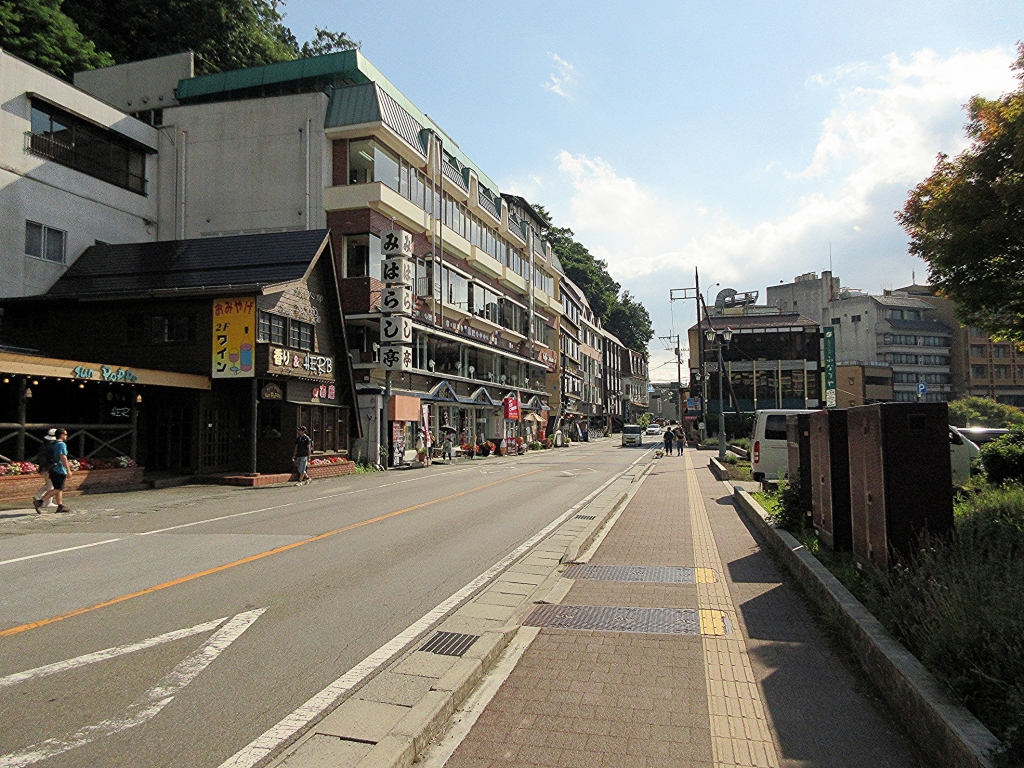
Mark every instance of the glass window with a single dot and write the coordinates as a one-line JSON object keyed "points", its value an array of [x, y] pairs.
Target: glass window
{"points": [[369, 160], [979, 371], [894, 314], [263, 327], [34, 239], [911, 314], [977, 350], [362, 256], [54, 242], [1000, 350], [277, 335], [1001, 371]]}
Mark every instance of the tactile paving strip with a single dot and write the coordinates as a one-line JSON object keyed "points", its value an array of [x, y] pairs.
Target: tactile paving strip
{"points": [[664, 621], [660, 574]]}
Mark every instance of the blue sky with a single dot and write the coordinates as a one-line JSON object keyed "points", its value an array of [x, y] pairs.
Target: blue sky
{"points": [[740, 137]]}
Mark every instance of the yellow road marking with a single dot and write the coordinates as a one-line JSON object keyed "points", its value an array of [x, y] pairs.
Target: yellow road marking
{"points": [[254, 558]]}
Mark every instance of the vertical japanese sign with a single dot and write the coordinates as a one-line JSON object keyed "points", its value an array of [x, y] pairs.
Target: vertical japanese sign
{"points": [[830, 366], [234, 334], [512, 408]]}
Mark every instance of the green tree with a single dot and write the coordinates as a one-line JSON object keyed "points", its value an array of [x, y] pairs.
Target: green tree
{"points": [[983, 412], [967, 219], [625, 317], [223, 34], [39, 32]]}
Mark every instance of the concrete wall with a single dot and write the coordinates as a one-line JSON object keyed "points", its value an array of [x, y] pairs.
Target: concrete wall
{"points": [[138, 85], [808, 297], [240, 166], [34, 188], [855, 341]]}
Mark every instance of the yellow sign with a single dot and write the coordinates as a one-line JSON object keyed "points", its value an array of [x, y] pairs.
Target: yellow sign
{"points": [[234, 333]]}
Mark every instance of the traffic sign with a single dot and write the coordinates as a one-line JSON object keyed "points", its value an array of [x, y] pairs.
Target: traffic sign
{"points": [[922, 388]]}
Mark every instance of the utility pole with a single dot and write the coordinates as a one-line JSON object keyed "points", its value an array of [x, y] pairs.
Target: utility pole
{"points": [[673, 341], [685, 294]]}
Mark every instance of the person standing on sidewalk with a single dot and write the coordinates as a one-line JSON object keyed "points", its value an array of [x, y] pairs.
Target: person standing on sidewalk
{"points": [[680, 439], [669, 438], [447, 448], [60, 470], [300, 456], [43, 462]]}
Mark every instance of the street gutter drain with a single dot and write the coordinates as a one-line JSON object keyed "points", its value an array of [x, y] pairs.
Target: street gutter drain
{"points": [[449, 643], [660, 574], [663, 621], [585, 517]]}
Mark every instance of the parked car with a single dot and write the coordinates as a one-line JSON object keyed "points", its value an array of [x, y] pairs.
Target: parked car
{"points": [[981, 435], [769, 455], [654, 429], [962, 452], [633, 434]]}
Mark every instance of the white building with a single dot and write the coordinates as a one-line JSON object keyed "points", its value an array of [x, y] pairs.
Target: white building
{"points": [[74, 171]]}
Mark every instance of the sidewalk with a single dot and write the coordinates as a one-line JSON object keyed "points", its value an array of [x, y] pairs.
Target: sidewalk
{"points": [[707, 656]]}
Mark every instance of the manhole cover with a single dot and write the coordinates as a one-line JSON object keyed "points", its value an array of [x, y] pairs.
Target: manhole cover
{"points": [[665, 621], [449, 643], [652, 573]]}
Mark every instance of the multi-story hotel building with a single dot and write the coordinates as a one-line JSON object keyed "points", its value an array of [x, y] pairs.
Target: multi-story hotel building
{"points": [[330, 142]]}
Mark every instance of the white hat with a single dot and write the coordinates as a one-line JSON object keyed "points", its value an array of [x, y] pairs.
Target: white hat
{"points": [[51, 435]]}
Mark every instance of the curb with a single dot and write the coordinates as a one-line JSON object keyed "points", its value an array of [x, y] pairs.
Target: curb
{"points": [[389, 721], [944, 730], [718, 469]]}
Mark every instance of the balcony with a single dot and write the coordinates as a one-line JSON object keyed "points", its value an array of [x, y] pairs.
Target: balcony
{"points": [[381, 198]]}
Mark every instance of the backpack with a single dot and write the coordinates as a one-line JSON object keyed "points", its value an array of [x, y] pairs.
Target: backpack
{"points": [[45, 456]]}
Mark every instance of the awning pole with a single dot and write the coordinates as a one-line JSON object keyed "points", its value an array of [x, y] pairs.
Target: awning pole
{"points": [[19, 448]]}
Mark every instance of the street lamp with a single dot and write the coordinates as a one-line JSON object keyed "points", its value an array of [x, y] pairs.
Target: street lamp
{"points": [[722, 338]]}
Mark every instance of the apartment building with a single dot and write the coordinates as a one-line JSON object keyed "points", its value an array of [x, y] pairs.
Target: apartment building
{"points": [[74, 171], [901, 330], [635, 384], [592, 368], [614, 392]]}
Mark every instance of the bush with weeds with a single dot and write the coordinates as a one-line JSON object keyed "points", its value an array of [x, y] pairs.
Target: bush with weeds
{"points": [[1003, 458], [958, 605], [783, 506]]}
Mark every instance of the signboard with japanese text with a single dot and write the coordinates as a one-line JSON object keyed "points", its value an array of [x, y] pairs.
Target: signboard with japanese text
{"points": [[511, 407], [396, 330], [427, 437], [396, 300], [830, 366], [395, 242], [234, 334], [312, 393], [396, 358], [305, 365], [396, 271]]}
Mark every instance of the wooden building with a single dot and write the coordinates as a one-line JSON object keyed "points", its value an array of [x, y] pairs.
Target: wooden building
{"points": [[259, 315]]}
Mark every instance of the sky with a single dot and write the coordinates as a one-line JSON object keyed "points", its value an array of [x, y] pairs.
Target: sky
{"points": [[754, 141]]}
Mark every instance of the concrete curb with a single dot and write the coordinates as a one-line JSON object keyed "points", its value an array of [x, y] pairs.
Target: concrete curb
{"points": [[945, 730], [718, 469], [389, 721]]}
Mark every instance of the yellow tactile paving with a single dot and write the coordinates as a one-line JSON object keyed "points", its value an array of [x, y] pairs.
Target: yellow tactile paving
{"points": [[739, 727], [704, 575]]}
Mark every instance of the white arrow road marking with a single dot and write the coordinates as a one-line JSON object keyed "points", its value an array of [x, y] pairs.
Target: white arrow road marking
{"points": [[108, 653], [146, 706]]}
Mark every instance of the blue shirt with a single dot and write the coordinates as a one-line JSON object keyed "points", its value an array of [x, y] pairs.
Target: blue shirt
{"points": [[57, 450]]}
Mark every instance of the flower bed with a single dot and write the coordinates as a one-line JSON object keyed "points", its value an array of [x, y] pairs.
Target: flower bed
{"points": [[19, 481], [330, 466]]}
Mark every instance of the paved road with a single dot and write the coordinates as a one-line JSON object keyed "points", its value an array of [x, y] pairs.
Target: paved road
{"points": [[274, 593]]}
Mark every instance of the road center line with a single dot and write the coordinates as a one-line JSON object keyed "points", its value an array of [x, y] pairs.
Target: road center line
{"points": [[254, 558]]}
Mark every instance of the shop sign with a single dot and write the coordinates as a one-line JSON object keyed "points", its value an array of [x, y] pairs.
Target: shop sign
{"points": [[124, 375], [271, 391], [547, 357], [396, 358], [512, 411], [397, 443], [396, 300], [324, 392], [396, 271], [830, 367], [305, 364], [395, 242], [396, 330], [426, 425], [234, 324], [305, 392]]}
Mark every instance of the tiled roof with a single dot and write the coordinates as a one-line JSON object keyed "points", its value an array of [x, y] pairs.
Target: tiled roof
{"points": [[933, 326], [214, 264], [907, 302]]}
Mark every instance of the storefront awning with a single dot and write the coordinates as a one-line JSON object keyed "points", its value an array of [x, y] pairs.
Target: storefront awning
{"points": [[19, 364]]}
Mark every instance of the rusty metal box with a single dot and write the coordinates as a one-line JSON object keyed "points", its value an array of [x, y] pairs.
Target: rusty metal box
{"points": [[798, 441], [830, 480], [901, 482]]}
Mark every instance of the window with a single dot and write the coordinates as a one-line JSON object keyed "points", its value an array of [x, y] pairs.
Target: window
{"points": [[362, 256], [934, 360], [977, 350], [901, 359], [1000, 350], [1001, 371], [300, 335], [835, 321], [911, 314], [878, 381], [979, 371], [901, 377], [977, 332], [900, 339], [82, 146], [854, 318], [894, 314], [775, 427], [160, 329], [369, 160], [45, 242], [934, 341], [263, 327]]}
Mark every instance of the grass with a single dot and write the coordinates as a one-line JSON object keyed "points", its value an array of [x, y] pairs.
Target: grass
{"points": [[957, 604]]}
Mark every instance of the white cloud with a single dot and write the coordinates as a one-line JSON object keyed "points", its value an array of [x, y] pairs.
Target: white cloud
{"points": [[559, 80], [880, 139]]}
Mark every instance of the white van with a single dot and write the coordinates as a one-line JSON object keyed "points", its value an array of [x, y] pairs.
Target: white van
{"points": [[633, 434], [769, 452], [962, 451]]}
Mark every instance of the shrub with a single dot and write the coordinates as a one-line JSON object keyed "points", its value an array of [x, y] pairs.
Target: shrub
{"points": [[958, 606], [1003, 458], [731, 458], [983, 412], [784, 510]]}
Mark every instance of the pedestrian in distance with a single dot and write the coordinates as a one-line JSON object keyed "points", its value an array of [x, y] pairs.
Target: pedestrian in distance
{"points": [[669, 438], [447, 449], [60, 470], [43, 462], [680, 439], [300, 456]]}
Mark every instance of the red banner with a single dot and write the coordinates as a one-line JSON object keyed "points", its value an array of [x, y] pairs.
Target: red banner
{"points": [[512, 408]]}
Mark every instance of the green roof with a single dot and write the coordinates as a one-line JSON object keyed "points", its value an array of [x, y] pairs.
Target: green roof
{"points": [[332, 70]]}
